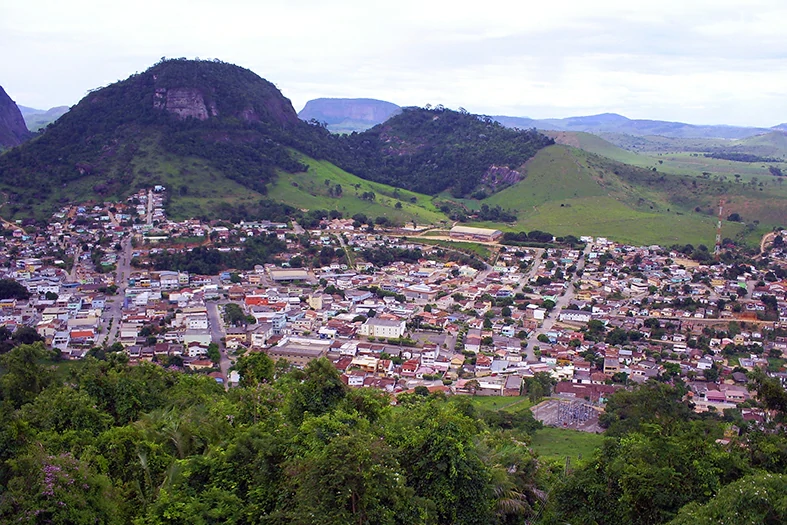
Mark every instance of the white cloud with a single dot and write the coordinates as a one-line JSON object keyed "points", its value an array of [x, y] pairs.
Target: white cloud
{"points": [[714, 61]]}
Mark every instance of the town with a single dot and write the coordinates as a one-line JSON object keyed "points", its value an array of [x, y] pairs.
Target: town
{"points": [[458, 311]]}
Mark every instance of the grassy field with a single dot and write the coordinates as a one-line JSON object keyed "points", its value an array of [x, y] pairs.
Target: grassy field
{"points": [[478, 249], [308, 190], [686, 156], [559, 443], [507, 404], [569, 191], [604, 216]]}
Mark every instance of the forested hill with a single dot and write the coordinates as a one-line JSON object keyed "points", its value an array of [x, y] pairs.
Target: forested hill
{"points": [[433, 150], [239, 123], [183, 123], [12, 126]]}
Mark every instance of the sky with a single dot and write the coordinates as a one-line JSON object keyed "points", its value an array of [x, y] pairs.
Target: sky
{"points": [[696, 61]]}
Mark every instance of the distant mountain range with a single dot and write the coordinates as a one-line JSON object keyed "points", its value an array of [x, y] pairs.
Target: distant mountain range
{"points": [[40, 118], [12, 126], [345, 115], [614, 123]]}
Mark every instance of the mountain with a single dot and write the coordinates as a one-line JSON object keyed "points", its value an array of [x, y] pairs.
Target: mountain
{"points": [[614, 123], [217, 135], [39, 118], [345, 115], [181, 122], [12, 126], [435, 150], [227, 144], [202, 126]]}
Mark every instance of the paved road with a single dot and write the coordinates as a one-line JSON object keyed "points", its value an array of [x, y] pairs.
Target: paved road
{"points": [[216, 334], [348, 250], [114, 303], [562, 301], [150, 207]]}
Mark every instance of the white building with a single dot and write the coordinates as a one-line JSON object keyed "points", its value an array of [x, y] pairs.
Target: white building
{"points": [[388, 328]]}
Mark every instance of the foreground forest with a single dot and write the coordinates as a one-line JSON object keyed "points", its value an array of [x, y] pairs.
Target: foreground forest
{"points": [[100, 441]]}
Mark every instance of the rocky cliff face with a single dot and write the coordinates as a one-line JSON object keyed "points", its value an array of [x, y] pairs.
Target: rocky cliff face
{"points": [[184, 102], [497, 176], [12, 126]]}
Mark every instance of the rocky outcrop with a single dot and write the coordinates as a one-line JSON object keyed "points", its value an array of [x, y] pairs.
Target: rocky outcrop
{"points": [[13, 130], [184, 102], [498, 176]]}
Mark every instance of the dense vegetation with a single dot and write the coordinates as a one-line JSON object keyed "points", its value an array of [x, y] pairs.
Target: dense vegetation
{"points": [[11, 289], [119, 134], [107, 137], [210, 261], [662, 462], [148, 445], [434, 150], [740, 157], [383, 256], [98, 441]]}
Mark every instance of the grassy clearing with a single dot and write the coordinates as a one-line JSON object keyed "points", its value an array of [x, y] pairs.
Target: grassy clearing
{"points": [[569, 191], [607, 217], [559, 443], [308, 190], [478, 249], [508, 404], [554, 173]]}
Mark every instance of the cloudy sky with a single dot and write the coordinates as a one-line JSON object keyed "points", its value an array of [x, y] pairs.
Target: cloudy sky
{"points": [[698, 61]]}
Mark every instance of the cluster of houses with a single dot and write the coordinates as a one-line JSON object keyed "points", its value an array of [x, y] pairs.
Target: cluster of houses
{"points": [[594, 319]]}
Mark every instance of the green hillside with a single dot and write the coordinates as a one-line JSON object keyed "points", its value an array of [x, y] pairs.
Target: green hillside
{"points": [[570, 191], [598, 145], [772, 144], [227, 144], [686, 156], [316, 189]]}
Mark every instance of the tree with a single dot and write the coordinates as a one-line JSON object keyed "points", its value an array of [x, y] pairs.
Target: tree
{"points": [[10, 289], [353, 478], [319, 392], [213, 353], [538, 386], [23, 375], [254, 368], [233, 315], [58, 489], [443, 464], [757, 498], [712, 373]]}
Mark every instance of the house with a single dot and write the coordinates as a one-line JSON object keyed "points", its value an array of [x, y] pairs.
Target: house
{"points": [[513, 385], [575, 316], [611, 365], [387, 328], [420, 292]]}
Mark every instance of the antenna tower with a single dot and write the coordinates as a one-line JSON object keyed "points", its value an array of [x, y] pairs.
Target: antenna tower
{"points": [[717, 250]]}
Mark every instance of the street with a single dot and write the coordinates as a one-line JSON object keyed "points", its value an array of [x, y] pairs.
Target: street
{"points": [[562, 301], [216, 334]]}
